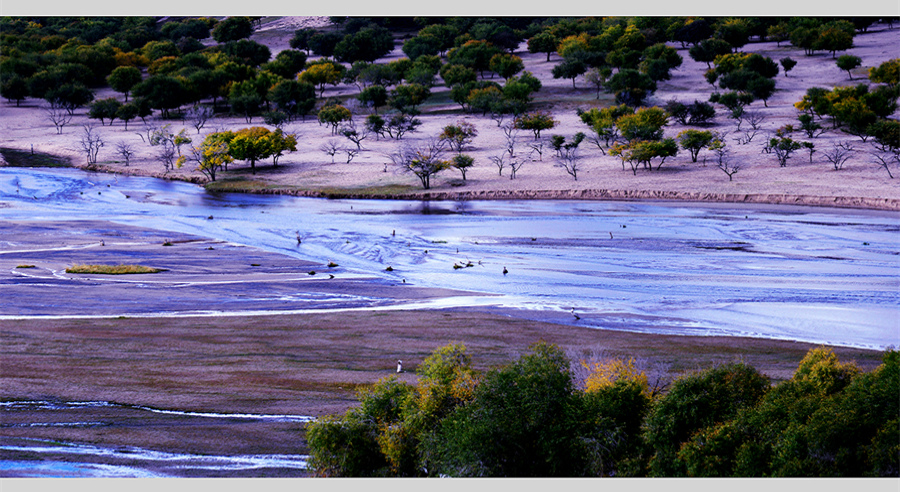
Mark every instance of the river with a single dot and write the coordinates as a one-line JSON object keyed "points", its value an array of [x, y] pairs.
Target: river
{"points": [[795, 273]]}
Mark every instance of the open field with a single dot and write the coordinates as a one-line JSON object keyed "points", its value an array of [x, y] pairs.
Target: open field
{"points": [[308, 171]]}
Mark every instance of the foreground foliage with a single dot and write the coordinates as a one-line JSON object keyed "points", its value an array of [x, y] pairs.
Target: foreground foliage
{"points": [[530, 418]]}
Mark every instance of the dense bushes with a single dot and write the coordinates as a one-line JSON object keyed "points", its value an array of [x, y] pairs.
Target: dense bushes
{"points": [[529, 418]]}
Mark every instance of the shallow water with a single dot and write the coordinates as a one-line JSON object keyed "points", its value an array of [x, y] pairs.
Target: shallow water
{"points": [[813, 275]]}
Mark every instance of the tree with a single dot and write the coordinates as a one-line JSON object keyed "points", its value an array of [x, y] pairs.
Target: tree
{"points": [[597, 77], [279, 143], [886, 134], [475, 54], [287, 64], [787, 64], [14, 88], [334, 115], [569, 69], [784, 147], [457, 74], [161, 92], [693, 403], [91, 142], [232, 29], [543, 42], [886, 73], [319, 74], [734, 31], [103, 109], [644, 124], [300, 39], [251, 144], [59, 117], [123, 79], [199, 115], [631, 86], [839, 154], [536, 122], [368, 44], [761, 88], [462, 162], [458, 136], [292, 97], [420, 46], [424, 161], [69, 96], [407, 97], [694, 141], [848, 63], [350, 132], [506, 65], [127, 112], [212, 154], [126, 150], [248, 52], [399, 124], [245, 99], [374, 96], [519, 424], [708, 50], [833, 39], [323, 43]]}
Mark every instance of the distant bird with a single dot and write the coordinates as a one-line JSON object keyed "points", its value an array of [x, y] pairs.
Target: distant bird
{"points": [[399, 366], [505, 271], [394, 232], [299, 240], [102, 243], [610, 235], [576, 316]]}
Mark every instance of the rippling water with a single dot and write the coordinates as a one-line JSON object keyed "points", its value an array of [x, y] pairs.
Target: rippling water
{"points": [[815, 275]]}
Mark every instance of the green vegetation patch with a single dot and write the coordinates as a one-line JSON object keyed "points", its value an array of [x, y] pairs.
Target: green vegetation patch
{"points": [[26, 266], [113, 269], [21, 158]]}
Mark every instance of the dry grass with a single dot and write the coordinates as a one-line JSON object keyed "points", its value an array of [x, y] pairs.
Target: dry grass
{"points": [[26, 266], [113, 269]]}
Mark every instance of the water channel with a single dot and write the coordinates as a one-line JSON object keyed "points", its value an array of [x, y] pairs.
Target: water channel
{"points": [[796, 273]]}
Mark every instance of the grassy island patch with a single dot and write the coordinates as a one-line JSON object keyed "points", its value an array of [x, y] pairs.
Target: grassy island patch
{"points": [[26, 266], [21, 158], [113, 269]]}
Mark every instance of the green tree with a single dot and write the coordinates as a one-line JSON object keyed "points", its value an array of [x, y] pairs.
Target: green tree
{"points": [[475, 54], [536, 122], [127, 112], [458, 135], [519, 424], [543, 42], [287, 64], [13, 88], [787, 64], [334, 115], [232, 29], [161, 92], [457, 74], [694, 141], [848, 63], [250, 144], [832, 38], [292, 97], [104, 109], [123, 79], [69, 96], [407, 97], [631, 86], [375, 96], [886, 73], [693, 403], [368, 44], [324, 43], [506, 65], [784, 148], [212, 154], [644, 124], [708, 50], [569, 69], [300, 39], [321, 73], [462, 162]]}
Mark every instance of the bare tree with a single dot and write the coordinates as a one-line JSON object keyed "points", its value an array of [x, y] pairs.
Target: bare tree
{"points": [[515, 165], [568, 160], [91, 142], [839, 154], [331, 147], [424, 160], [539, 148], [59, 117], [723, 158], [351, 153], [199, 115], [885, 161], [355, 135], [499, 161], [126, 150], [755, 119]]}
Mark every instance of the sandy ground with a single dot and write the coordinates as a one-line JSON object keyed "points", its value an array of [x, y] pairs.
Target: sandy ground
{"points": [[861, 183]]}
